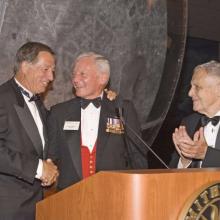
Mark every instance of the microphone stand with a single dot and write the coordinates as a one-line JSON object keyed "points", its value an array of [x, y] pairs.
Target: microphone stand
{"points": [[126, 125]]}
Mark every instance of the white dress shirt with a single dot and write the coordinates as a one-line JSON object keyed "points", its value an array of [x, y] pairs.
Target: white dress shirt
{"points": [[90, 125]]}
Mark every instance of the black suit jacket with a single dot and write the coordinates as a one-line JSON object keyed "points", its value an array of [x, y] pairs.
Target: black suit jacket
{"points": [[111, 154], [20, 150], [212, 157]]}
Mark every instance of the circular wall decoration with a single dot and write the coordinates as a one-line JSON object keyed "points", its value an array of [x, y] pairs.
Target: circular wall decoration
{"points": [[204, 204]]}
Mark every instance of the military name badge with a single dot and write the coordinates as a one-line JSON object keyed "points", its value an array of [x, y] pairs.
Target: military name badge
{"points": [[115, 126], [204, 204], [71, 125]]}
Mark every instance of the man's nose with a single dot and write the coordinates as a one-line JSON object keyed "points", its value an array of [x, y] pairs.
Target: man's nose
{"points": [[50, 75], [190, 93], [75, 78]]}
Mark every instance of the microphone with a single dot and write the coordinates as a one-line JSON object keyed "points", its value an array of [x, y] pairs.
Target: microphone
{"points": [[119, 111]]}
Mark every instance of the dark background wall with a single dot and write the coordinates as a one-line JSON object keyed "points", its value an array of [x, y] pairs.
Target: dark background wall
{"points": [[202, 45], [130, 33]]}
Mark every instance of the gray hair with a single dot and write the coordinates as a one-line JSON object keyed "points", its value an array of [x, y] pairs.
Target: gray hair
{"points": [[212, 67], [101, 61]]}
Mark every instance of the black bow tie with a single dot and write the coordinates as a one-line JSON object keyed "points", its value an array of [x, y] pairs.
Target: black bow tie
{"points": [[205, 120], [32, 98], [85, 102]]}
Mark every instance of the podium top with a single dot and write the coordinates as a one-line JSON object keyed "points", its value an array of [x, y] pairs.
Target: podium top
{"points": [[161, 171]]}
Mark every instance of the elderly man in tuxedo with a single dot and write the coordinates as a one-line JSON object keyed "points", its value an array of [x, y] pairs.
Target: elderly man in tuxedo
{"points": [[23, 138], [85, 133], [197, 140]]}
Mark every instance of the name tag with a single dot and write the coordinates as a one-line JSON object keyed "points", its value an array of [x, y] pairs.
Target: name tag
{"points": [[71, 125]]}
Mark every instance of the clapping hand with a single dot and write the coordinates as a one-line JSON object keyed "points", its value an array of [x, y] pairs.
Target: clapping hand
{"points": [[187, 147]]}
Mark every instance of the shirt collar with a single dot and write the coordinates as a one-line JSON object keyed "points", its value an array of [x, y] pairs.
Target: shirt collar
{"points": [[30, 93]]}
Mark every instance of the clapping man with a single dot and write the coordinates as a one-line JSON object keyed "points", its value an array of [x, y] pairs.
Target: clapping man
{"points": [[197, 140]]}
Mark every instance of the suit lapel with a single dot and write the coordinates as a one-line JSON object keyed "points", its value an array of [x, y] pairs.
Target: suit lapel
{"points": [[26, 119], [73, 136], [17, 93], [217, 146], [103, 136], [30, 127]]}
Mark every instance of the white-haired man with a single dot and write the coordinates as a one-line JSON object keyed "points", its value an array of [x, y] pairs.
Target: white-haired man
{"points": [[85, 133], [197, 140]]}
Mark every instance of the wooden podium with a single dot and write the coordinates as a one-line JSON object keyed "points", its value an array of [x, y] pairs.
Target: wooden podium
{"points": [[127, 195]]}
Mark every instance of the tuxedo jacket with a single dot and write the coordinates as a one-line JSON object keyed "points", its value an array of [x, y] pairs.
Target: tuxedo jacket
{"points": [[20, 150], [212, 157], [113, 152]]}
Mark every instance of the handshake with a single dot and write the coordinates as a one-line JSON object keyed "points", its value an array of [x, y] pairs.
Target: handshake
{"points": [[50, 173]]}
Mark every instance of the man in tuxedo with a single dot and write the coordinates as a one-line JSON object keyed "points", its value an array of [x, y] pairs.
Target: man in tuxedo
{"points": [[197, 140], [23, 140], [85, 133]]}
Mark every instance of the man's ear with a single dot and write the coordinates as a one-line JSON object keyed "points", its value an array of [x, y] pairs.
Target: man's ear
{"points": [[104, 79], [24, 67]]}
